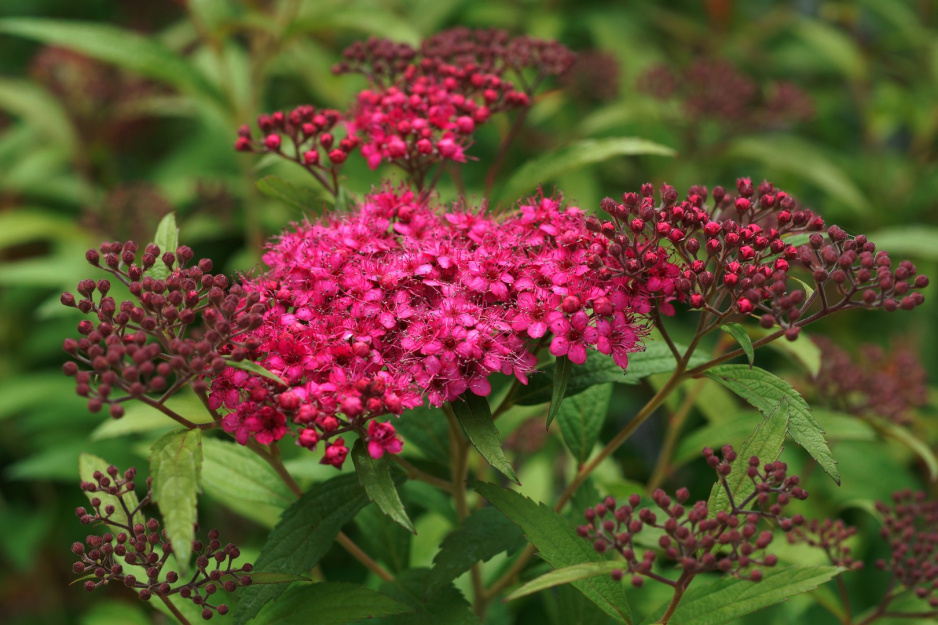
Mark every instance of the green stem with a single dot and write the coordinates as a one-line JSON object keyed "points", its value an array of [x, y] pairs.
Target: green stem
{"points": [[675, 423], [679, 588]]}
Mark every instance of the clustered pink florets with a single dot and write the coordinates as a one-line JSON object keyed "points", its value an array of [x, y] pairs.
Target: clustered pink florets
{"points": [[371, 312]]}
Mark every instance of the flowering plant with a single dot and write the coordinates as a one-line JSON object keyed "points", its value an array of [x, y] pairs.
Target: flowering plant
{"points": [[403, 325]]}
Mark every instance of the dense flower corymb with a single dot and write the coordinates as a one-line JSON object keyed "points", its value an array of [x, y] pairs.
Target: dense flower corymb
{"points": [[372, 312]]}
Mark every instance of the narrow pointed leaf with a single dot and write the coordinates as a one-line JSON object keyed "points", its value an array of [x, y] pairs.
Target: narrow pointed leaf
{"points": [[766, 443], [581, 419], [305, 533], [764, 391], [916, 445], [253, 367], [375, 477], [566, 575], [727, 599], [175, 466], [475, 417], [738, 332], [132, 51], [87, 465], [561, 376], [328, 603], [558, 544], [482, 535], [167, 238], [300, 198], [546, 168]]}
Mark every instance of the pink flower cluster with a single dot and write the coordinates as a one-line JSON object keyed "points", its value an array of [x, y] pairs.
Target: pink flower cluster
{"points": [[373, 311]]}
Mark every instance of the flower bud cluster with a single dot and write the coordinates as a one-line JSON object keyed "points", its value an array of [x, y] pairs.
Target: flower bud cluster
{"points": [[420, 107], [910, 526], [696, 539], [313, 143], [134, 553], [735, 257], [718, 90], [400, 300], [829, 535], [175, 331], [890, 384]]}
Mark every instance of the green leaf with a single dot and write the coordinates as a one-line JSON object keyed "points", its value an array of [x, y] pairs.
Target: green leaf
{"points": [[175, 466], [657, 358], [730, 598], [300, 198], [908, 438], [806, 161], [738, 332], [581, 420], [764, 391], [803, 351], [917, 241], [270, 578], [832, 45], [561, 377], [482, 535], [34, 104], [138, 53], [375, 477], [446, 607], [565, 575], [558, 543], [231, 472], [328, 603], [425, 428], [87, 465], [384, 539], [766, 443], [167, 239], [253, 367], [303, 536], [545, 168], [475, 417]]}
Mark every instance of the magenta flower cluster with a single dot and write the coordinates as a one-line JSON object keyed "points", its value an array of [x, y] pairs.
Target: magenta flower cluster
{"points": [[400, 300]]}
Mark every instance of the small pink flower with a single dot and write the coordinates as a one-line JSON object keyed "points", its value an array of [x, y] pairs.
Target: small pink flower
{"points": [[335, 453], [382, 438]]}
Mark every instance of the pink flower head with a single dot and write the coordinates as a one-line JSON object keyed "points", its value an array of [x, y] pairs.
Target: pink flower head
{"points": [[382, 438]]}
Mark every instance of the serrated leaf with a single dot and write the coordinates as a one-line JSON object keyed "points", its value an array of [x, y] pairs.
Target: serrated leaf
{"points": [[375, 477], [167, 238], [565, 575], [484, 534], [300, 198], [446, 607], [87, 465], [764, 391], [143, 55], [232, 472], [581, 420], [738, 332], [766, 443], [175, 466], [558, 543], [562, 369], [546, 168], [270, 578], [253, 367], [305, 533], [475, 417], [729, 598], [328, 603]]}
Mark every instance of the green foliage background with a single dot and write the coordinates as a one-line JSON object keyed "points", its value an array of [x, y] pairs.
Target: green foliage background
{"points": [[87, 159]]}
